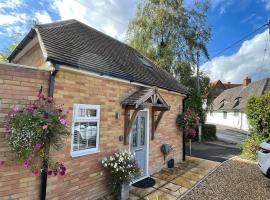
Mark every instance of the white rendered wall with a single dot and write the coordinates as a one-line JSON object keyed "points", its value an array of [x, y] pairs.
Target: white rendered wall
{"points": [[239, 122]]}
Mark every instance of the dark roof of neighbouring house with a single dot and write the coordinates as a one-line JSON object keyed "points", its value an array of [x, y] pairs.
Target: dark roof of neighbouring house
{"points": [[77, 45], [236, 98]]}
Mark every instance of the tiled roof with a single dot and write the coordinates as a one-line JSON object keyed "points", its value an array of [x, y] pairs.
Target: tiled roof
{"points": [[77, 45], [236, 98]]}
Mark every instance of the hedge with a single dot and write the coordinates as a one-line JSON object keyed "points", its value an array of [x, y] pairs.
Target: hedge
{"points": [[209, 132]]}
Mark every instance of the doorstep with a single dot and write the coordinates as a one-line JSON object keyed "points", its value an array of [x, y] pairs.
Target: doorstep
{"points": [[173, 183]]}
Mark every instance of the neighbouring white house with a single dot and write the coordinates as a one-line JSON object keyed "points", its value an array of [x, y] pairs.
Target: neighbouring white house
{"points": [[228, 107]]}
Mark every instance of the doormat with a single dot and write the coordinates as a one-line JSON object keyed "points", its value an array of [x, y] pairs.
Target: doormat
{"points": [[145, 183]]}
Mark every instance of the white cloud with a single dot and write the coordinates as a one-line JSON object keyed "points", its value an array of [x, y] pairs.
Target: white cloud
{"points": [[11, 3], [221, 5], [266, 4], [8, 19], [246, 62], [108, 16], [43, 17]]}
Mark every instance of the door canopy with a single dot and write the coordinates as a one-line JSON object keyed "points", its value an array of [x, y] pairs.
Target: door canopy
{"points": [[139, 100]]}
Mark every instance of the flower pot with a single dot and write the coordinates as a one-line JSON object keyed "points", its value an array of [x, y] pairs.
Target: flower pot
{"points": [[124, 192], [170, 163]]}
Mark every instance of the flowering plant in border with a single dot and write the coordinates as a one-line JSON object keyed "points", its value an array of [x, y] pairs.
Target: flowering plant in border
{"points": [[122, 168], [32, 129], [188, 122]]}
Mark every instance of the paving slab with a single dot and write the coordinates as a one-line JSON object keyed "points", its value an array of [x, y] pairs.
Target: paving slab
{"points": [[173, 183]]}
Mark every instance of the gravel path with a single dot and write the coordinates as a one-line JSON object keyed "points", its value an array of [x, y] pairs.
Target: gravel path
{"points": [[235, 179]]}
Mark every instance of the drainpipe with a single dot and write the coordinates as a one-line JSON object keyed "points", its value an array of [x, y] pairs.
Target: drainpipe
{"points": [[183, 139], [45, 164]]}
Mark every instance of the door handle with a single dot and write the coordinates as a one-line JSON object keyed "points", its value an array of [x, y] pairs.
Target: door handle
{"points": [[139, 149]]}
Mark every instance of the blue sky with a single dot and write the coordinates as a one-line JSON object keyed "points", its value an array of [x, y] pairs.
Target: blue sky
{"points": [[230, 20]]}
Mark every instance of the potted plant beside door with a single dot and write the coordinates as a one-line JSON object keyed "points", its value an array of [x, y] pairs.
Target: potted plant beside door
{"points": [[122, 168]]}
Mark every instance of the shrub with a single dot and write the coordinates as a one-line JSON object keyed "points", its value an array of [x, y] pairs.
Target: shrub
{"points": [[258, 114], [250, 146], [208, 132]]}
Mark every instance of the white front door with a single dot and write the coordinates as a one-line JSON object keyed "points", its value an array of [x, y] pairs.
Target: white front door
{"points": [[139, 142]]}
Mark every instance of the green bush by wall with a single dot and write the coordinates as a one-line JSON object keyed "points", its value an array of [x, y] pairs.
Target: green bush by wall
{"points": [[209, 132]]}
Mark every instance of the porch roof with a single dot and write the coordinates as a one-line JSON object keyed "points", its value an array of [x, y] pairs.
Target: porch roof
{"points": [[146, 97]]}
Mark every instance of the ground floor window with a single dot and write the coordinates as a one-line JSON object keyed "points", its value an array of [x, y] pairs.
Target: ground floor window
{"points": [[224, 115], [236, 113], [85, 130]]}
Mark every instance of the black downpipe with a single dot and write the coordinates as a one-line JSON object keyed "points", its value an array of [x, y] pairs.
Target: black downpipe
{"points": [[183, 140], [45, 164]]}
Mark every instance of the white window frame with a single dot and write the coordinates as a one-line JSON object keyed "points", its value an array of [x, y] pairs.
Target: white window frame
{"points": [[85, 119]]}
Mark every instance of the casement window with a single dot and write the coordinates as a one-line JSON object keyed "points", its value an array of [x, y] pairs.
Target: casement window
{"points": [[85, 129], [236, 113], [224, 115]]}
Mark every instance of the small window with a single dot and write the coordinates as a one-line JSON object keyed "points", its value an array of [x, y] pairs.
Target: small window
{"points": [[224, 115], [211, 113], [236, 113], [85, 131]]}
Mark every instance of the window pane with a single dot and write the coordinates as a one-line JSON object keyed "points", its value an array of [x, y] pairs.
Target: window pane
{"points": [[85, 135], [87, 112], [135, 134], [142, 126]]}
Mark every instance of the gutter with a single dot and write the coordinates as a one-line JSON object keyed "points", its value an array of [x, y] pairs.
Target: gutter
{"points": [[45, 164]]}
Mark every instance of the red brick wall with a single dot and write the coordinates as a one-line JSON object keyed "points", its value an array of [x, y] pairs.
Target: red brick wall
{"points": [[17, 85], [85, 177]]}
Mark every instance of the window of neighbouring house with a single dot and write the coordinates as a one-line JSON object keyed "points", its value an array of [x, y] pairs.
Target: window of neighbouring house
{"points": [[85, 130], [235, 113], [224, 115], [211, 113]]}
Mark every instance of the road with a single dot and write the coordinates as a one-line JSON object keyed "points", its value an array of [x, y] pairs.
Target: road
{"points": [[224, 148]]}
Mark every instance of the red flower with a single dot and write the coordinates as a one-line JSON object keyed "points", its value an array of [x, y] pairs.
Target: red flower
{"points": [[38, 146], [50, 172], [50, 99], [36, 172], [2, 162]]}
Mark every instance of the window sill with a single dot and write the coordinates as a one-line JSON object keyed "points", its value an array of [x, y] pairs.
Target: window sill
{"points": [[83, 153]]}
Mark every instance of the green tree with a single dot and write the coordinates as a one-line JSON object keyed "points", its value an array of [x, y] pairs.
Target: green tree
{"points": [[7, 51], [170, 34]]}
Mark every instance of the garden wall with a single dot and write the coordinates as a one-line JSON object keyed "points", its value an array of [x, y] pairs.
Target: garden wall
{"points": [[18, 84]]}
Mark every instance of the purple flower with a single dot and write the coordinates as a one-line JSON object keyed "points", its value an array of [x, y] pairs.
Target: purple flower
{"points": [[38, 146], [25, 164], [46, 115], [16, 109], [63, 121], [2, 162]]}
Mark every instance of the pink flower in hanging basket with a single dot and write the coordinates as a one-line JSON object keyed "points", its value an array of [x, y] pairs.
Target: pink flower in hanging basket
{"points": [[38, 146], [16, 109], [50, 99], [36, 172], [25, 164], [50, 173], [2, 162], [63, 121]]}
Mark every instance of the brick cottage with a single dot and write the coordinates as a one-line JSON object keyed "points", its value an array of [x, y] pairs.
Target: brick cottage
{"points": [[119, 100]]}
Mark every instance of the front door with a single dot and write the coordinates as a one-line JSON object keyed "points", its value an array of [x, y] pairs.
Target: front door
{"points": [[138, 143]]}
